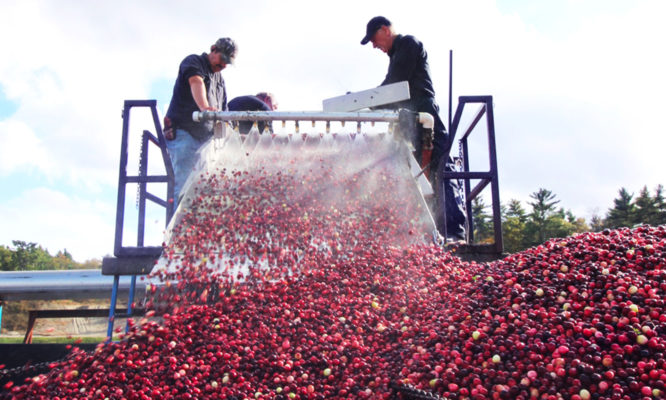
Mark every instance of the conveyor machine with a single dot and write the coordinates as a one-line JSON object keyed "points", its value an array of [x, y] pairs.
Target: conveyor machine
{"points": [[336, 130]]}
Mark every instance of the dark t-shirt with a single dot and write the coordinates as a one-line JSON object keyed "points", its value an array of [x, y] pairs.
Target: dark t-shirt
{"points": [[248, 103], [409, 62], [182, 103]]}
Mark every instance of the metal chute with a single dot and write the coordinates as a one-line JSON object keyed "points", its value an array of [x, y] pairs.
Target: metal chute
{"points": [[334, 148]]}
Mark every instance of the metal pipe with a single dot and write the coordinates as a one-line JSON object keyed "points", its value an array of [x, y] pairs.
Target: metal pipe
{"points": [[112, 308], [372, 116], [130, 302], [60, 284], [450, 85]]}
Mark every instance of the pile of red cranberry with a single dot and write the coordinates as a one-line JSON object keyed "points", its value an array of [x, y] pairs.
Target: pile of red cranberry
{"points": [[307, 285]]}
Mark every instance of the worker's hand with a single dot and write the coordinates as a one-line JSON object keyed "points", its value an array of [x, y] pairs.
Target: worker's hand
{"points": [[168, 130]]}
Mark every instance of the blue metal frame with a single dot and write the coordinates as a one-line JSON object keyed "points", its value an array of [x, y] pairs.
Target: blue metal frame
{"points": [[142, 179], [486, 177], [140, 250]]}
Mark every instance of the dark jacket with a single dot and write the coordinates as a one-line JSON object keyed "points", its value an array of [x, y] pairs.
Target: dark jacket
{"points": [[248, 103], [409, 62]]}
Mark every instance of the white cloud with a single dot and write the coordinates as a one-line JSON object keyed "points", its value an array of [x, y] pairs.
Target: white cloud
{"points": [[577, 112], [21, 149], [57, 220]]}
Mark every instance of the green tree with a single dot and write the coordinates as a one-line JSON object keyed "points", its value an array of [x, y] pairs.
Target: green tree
{"points": [[483, 225], [24, 255], [623, 212], [564, 223], [43, 260], [543, 207], [64, 253], [660, 204], [646, 208], [515, 210], [31, 256], [5, 259], [597, 224], [61, 261], [514, 219], [578, 224]]}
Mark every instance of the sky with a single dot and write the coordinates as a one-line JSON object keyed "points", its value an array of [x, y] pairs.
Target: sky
{"points": [[577, 88]]}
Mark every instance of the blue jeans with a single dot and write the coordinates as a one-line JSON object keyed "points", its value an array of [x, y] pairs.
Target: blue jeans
{"points": [[453, 193], [183, 152]]}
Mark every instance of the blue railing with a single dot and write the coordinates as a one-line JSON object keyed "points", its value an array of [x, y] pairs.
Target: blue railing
{"points": [[486, 177], [139, 259]]}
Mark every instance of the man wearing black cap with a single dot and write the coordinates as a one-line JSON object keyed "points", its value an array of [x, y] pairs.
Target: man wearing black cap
{"points": [[199, 87], [409, 62]]}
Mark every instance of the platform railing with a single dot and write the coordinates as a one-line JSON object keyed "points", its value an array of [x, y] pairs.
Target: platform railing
{"points": [[486, 177], [80, 285], [142, 179], [139, 259]]}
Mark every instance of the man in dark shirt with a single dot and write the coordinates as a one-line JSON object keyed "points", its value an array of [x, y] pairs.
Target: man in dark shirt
{"points": [[260, 102], [199, 87], [409, 62]]}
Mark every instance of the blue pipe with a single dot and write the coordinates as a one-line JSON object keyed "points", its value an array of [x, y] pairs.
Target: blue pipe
{"points": [[112, 307], [130, 302]]}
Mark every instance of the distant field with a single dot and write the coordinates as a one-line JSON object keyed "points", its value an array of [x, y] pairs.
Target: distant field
{"points": [[52, 339], [15, 318]]}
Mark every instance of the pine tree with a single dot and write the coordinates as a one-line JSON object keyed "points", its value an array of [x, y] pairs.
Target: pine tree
{"points": [[482, 221], [515, 210], [514, 219], [646, 208], [542, 208], [660, 205], [597, 224], [624, 211]]}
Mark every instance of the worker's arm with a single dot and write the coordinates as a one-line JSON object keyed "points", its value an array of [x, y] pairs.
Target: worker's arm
{"points": [[198, 88]]}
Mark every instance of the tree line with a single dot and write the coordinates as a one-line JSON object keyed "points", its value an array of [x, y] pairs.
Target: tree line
{"points": [[28, 256], [523, 228]]}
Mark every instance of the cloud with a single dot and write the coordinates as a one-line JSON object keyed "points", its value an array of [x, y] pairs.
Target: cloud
{"points": [[576, 105], [57, 220], [21, 149]]}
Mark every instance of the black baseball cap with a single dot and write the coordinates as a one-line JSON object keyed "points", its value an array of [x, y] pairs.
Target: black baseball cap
{"points": [[373, 26], [227, 47]]}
